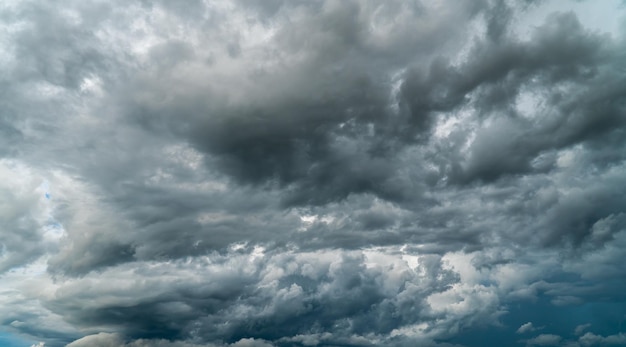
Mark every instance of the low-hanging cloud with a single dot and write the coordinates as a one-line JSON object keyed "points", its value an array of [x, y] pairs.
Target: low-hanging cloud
{"points": [[319, 173]]}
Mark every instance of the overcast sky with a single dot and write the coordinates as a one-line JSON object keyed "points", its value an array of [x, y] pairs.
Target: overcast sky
{"points": [[268, 173]]}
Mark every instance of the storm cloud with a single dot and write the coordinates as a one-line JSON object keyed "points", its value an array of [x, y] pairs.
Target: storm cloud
{"points": [[312, 173]]}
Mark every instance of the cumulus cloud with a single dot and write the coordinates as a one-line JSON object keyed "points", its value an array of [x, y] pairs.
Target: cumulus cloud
{"points": [[22, 214], [303, 173], [590, 339], [526, 328], [581, 328], [544, 340]]}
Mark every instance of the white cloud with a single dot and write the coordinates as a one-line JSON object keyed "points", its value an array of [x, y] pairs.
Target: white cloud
{"points": [[525, 328], [581, 328], [591, 339], [545, 340]]}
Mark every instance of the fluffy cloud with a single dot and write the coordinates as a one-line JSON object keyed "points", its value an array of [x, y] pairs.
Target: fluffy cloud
{"points": [[525, 328], [278, 173], [545, 340], [22, 214]]}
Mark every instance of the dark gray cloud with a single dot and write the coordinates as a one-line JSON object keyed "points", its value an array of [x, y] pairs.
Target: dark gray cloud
{"points": [[271, 297], [331, 173]]}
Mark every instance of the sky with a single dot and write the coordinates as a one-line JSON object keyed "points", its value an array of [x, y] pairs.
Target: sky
{"points": [[269, 173]]}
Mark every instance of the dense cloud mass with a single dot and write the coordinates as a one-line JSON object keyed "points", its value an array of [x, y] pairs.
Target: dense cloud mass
{"points": [[312, 173]]}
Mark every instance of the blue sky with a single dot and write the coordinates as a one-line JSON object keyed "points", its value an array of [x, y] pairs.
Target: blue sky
{"points": [[10, 340]]}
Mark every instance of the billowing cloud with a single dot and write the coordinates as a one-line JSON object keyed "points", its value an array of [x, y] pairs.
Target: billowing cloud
{"points": [[312, 173]]}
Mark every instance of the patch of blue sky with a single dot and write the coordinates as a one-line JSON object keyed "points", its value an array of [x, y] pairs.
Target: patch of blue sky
{"points": [[600, 317], [11, 340]]}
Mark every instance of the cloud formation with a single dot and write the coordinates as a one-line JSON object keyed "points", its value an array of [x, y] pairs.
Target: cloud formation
{"points": [[313, 173]]}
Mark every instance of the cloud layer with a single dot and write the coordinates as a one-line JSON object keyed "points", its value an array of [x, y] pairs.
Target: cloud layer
{"points": [[313, 173]]}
